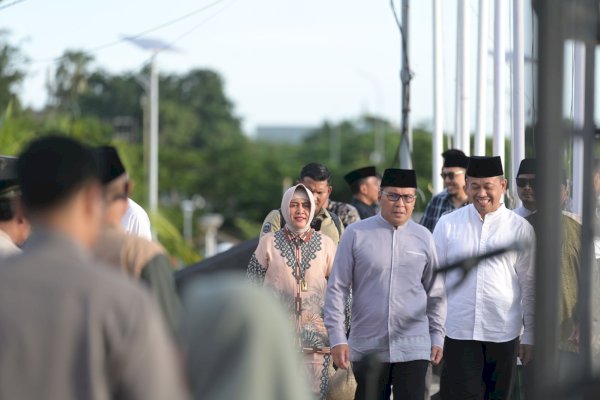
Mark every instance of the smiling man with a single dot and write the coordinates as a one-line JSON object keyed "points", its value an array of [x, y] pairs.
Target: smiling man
{"points": [[454, 195], [399, 305], [487, 310]]}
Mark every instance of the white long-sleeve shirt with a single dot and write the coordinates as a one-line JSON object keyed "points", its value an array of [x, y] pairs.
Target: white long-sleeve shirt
{"points": [[398, 304], [494, 300], [136, 221], [7, 247]]}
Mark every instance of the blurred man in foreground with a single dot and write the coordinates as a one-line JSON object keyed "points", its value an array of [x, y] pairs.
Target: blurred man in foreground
{"points": [[72, 329], [137, 257]]}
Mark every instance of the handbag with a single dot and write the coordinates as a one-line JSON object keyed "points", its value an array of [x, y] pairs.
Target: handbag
{"points": [[342, 385]]}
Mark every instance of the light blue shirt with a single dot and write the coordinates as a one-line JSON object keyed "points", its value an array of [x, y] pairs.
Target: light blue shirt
{"points": [[389, 270]]}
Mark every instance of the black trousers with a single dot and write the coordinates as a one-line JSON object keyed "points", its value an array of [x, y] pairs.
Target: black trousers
{"points": [[478, 370], [406, 378]]}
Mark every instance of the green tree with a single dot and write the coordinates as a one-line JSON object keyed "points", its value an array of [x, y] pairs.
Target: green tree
{"points": [[12, 72], [202, 93], [109, 96], [70, 81]]}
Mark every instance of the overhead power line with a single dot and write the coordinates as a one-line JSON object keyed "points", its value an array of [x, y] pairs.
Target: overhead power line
{"points": [[198, 25], [12, 3], [138, 35]]}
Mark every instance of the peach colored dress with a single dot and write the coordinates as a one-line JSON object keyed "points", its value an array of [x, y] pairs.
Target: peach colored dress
{"points": [[297, 271]]}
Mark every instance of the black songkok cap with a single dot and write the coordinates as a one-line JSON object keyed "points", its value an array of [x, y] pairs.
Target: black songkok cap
{"points": [[8, 174], [455, 158], [527, 166], [109, 163], [484, 167], [360, 173], [399, 178]]}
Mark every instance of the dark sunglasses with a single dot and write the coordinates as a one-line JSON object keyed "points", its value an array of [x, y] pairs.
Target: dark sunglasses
{"points": [[522, 182], [451, 175]]}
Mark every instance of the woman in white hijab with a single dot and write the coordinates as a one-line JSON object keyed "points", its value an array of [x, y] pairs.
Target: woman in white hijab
{"points": [[295, 263]]}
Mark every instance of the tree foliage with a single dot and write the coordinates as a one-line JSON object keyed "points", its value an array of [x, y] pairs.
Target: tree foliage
{"points": [[203, 151], [12, 72]]}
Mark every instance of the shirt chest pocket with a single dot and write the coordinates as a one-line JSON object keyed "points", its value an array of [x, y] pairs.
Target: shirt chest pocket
{"points": [[414, 259]]}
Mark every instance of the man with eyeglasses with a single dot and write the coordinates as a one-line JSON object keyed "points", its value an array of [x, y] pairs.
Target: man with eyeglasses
{"points": [[488, 307], [454, 196], [526, 187], [399, 305]]}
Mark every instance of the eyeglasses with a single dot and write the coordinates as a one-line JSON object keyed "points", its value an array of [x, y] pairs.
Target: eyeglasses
{"points": [[451, 175], [406, 198], [522, 182]]}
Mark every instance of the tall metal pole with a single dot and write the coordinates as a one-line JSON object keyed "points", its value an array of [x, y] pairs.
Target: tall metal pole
{"points": [[549, 145], [465, 81], [588, 261], [438, 98], [518, 131], [459, 59], [482, 56], [405, 155], [499, 82], [578, 120], [153, 167]]}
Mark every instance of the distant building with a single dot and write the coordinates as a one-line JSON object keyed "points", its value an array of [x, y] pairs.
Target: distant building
{"points": [[283, 134]]}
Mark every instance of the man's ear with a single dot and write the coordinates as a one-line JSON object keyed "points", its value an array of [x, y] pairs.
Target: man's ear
{"points": [[19, 211], [363, 188], [93, 196], [329, 189]]}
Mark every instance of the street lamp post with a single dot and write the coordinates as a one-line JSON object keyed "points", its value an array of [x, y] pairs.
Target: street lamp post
{"points": [[151, 88], [153, 159], [211, 224]]}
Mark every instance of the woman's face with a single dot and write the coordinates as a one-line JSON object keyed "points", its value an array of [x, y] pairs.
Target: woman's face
{"points": [[299, 212]]}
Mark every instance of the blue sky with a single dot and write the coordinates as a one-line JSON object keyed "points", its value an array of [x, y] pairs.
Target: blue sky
{"points": [[284, 62]]}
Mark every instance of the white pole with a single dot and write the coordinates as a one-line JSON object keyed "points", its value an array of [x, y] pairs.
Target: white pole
{"points": [[465, 81], [438, 97], [499, 83], [482, 56], [153, 176], [578, 117], [459, 68], [518, 131]]}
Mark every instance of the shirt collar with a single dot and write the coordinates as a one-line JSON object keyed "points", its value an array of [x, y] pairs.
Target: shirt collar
{"points": [[386, 223], [491, 215]]}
